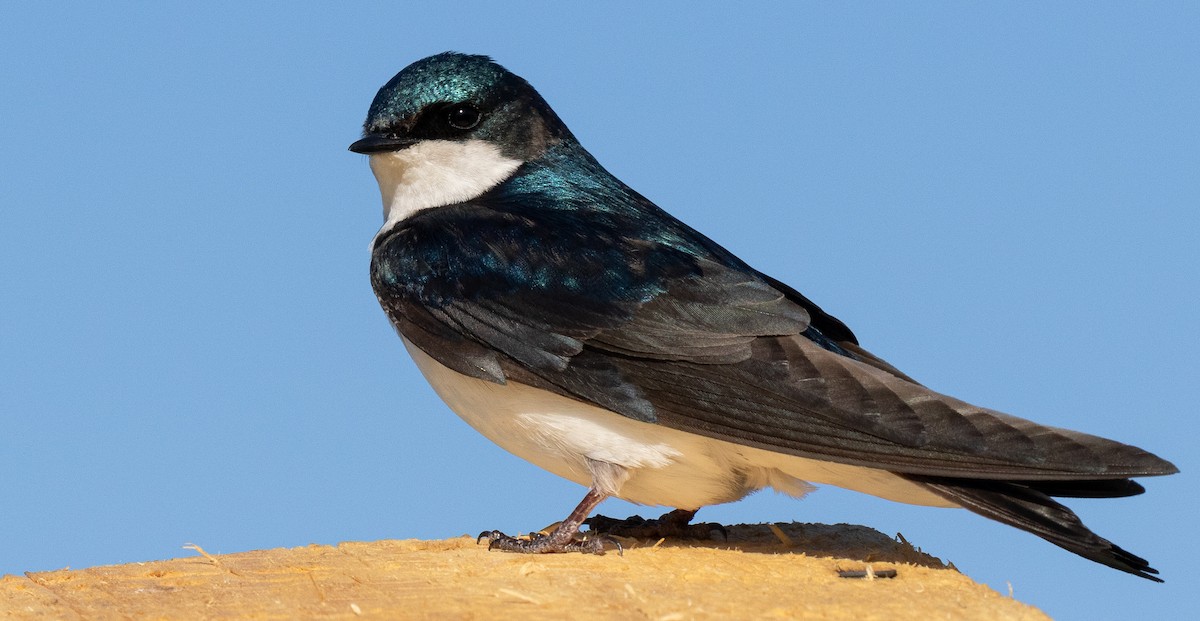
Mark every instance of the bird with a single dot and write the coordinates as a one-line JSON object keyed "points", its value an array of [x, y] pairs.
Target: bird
{"points": [[579, 326]]}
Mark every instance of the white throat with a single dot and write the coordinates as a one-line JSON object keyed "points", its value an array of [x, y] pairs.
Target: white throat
{"points": [[434, 173]]}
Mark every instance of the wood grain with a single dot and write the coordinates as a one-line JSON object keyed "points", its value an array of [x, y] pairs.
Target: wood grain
{"points": [[784, 571]]}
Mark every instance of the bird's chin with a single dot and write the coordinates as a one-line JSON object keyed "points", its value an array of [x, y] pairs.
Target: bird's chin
{"points": [[389, 170], [435, 173]]}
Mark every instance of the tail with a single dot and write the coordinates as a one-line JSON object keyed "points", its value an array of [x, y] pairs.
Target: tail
{"points": [[1028, 505]]}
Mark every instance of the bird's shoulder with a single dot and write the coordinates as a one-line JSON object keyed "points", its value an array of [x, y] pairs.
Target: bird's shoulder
{"points": [[597, 276], [487, 249]]}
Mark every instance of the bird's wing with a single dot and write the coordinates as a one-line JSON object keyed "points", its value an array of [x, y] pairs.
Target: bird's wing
{"points": [[631, 322]]}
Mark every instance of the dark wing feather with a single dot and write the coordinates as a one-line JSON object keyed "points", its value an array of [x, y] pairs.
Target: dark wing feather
{"points": [[819, 404], [1031, 509], [656, 325]]}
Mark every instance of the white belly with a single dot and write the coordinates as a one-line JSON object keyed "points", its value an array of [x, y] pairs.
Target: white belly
{"points": [[666, 467]]}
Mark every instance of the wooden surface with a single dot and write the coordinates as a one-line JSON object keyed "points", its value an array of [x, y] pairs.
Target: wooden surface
{"points": [[789, 572]]}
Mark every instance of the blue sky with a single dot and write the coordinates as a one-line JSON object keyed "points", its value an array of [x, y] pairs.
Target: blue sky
{"points": [[999, 199]]}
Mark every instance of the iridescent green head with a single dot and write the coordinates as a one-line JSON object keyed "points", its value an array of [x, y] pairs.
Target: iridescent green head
{"points": [[460, 97]]}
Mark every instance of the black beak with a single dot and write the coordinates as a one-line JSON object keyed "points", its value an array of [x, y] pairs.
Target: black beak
{"points": [[379, 143]]}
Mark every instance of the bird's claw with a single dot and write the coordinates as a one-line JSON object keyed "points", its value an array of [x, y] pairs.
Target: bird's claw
{"points": [[554, 543]]}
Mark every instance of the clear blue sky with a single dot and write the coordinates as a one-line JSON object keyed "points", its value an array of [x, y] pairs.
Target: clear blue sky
{"points": [[1000, 199]]}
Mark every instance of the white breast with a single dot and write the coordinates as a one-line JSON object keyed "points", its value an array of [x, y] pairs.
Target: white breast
{"points": [[667, 467]]}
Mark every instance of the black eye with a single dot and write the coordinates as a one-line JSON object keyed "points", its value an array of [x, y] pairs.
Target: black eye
{"points": [[463, 116]]}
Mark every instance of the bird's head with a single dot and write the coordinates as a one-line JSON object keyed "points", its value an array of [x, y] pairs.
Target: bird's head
{"points": [[451, 126]]}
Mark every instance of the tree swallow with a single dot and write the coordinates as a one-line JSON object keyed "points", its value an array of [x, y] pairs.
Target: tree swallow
{"points": [[580, 327]]}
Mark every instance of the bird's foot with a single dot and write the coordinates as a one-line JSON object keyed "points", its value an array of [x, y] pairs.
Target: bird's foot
{"points": [[564, 538], [558, 541], [674, 525]]}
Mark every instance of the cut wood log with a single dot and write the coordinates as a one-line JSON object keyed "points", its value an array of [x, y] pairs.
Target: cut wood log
{"points": [[785, 571]]}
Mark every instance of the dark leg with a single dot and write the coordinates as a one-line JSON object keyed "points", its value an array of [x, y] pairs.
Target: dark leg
{"points": [[676, 524], [563, 537]]}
